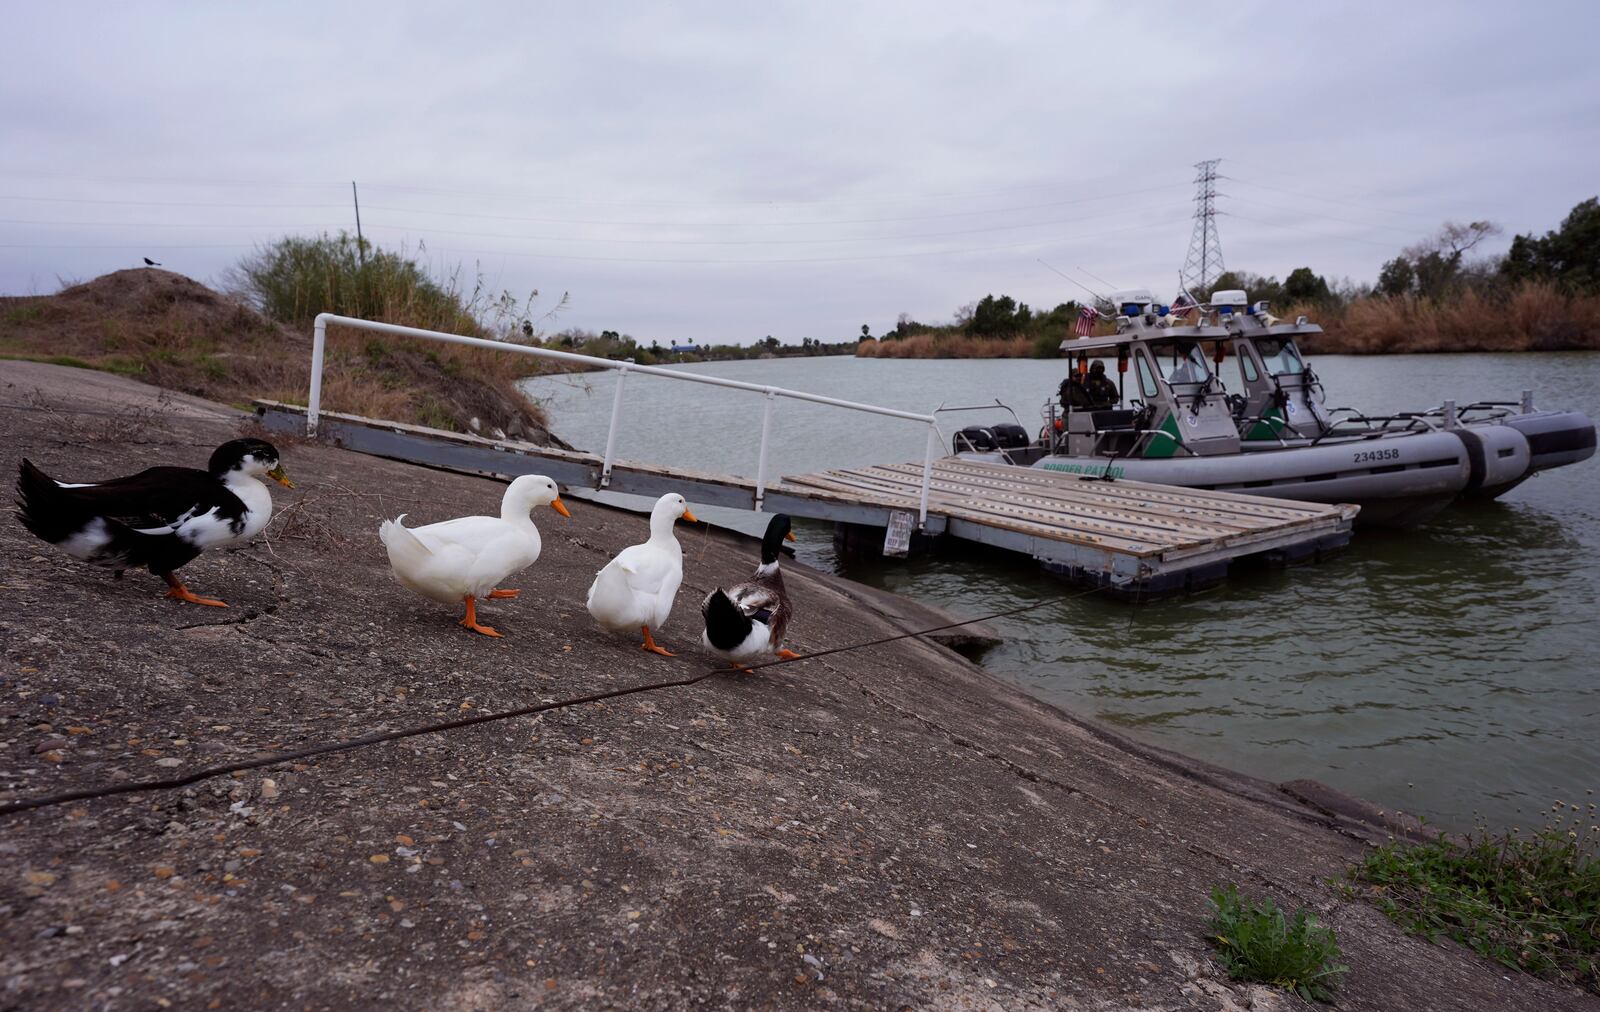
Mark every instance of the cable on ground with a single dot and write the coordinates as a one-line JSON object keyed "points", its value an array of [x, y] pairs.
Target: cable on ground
{"points": [[379, 737]]}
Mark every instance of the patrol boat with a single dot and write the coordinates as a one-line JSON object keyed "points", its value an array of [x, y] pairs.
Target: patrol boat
{"points": [[1175, 423], [1283, 403]]}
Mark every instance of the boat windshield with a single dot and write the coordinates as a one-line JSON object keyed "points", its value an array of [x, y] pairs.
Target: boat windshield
{"points": [[1280, 356], [1188, 364]]}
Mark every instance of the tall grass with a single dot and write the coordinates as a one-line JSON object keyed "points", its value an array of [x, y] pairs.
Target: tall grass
{"points": [[297, 277], [955, 345], [1533, 316]]}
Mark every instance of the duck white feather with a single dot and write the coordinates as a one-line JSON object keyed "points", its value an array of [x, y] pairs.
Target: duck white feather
{"points": [[635, 590], [159, 519], [467, 558], [749, 621]]}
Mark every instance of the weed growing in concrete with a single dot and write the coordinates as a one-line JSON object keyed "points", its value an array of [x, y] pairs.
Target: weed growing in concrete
{"points": [[1530, 901], [1256, 942]]}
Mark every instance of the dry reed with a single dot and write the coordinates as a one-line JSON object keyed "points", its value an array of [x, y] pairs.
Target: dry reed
{"points": [[1534, 316]]}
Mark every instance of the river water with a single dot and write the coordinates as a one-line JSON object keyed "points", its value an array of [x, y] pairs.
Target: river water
{"points": [[1448, 671]]}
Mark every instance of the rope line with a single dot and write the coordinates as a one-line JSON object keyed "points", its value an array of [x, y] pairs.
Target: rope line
{"points": [[376, 738]]}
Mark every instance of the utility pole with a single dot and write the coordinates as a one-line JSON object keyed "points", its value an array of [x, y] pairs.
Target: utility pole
{"points": [[1203, 265], [361, 244]]}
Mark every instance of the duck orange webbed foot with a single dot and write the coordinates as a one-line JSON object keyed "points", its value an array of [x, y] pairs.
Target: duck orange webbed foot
{"points": [[497, 594], [650, 645], [470, 619], [178, 592], [789, 655]]}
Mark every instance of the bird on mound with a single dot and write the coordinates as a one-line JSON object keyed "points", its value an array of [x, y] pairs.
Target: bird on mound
{"points": [[466, 558], [750, 620], [160, 518], [635, 589]]}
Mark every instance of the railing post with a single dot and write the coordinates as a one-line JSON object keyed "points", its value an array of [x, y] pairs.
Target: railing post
{"points": [[927, 476], [1449, 412], [319, 344], [761, 461], [1527, 402], [611, 434]]}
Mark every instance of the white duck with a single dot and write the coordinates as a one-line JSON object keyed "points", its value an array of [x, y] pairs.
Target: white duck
{"points": [[635, 589], [464, 559]]}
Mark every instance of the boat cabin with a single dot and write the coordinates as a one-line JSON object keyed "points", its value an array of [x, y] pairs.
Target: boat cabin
{"points": [[1278, 395], [1169, 401]]}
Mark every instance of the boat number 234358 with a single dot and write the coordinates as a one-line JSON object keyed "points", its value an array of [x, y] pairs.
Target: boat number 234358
{"points": [[1362, 456]]}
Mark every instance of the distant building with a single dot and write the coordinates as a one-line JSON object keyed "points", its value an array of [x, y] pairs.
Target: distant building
{"points": [[684, 347]]}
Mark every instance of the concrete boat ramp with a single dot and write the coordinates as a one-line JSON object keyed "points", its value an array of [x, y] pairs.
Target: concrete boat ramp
{"points": [[1133, 538]]}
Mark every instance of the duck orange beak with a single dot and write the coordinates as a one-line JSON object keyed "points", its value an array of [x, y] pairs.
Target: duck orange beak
{"points": [[559, 507], [277, 475], [790, 537], [687, 515]]}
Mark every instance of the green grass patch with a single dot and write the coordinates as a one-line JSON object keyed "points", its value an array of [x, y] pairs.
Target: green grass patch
{"points": [[19, 315], [434, 414], [114, 363], [215, 368], [70, 361], [123, 365], [1256, 942], [1529, 901]]}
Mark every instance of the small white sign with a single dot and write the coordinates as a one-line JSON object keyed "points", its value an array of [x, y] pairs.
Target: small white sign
{"points": [[897, 536]]}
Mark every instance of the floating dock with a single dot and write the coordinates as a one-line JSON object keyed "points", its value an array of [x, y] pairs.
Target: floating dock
{"points": [[1134, 538]]}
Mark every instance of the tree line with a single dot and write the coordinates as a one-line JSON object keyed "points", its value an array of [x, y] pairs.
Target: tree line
{"points": [[1439, 293], [1443, 264]]}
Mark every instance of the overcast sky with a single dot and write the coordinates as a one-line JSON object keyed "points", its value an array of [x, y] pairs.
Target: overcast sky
{"points": [[727, 171]]}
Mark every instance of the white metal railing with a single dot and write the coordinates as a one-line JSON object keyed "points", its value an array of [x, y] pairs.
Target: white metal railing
{"points": [[770, 393]]}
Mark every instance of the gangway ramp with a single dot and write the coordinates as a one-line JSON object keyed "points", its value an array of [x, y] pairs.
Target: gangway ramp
{"points": [[1133, 537]]}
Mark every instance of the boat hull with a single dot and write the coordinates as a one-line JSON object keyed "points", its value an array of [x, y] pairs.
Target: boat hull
{"points": [[1398, 481], [1555, 437]]}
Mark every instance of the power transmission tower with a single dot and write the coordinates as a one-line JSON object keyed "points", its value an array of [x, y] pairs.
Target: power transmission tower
{"points": [[1203, 265]]}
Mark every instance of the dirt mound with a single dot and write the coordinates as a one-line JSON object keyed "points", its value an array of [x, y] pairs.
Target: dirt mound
{"points": [[150, 292], [175, 332]]}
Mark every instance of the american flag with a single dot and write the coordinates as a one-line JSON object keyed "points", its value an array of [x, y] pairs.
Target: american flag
{"points": [[1182, 306], [1088, 316]]}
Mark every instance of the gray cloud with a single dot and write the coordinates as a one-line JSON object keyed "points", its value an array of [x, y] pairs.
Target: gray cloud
{"points": [[724, 172]]}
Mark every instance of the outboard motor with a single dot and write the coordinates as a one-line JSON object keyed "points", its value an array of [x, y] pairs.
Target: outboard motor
{"points": [[980, 438], [1008, 436]]}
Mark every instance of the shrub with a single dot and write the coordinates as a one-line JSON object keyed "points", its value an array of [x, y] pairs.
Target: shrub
{"points": [[297, 277], [1255, 942]]}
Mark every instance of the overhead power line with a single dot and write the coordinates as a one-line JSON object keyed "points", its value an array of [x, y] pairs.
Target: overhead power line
{"points": [[541, 219], [813, 260], [1330, 200], [825, 240], [1318, 214], [643, 260], [1308, 231], [568, 198]]}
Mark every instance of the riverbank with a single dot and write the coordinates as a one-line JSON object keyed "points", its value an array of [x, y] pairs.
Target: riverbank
{"points": [[877, 828], [1531, 317], [170, 330]]}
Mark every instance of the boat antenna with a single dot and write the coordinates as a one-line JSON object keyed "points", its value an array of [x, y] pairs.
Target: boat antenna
{"points": [[1184, 289], [1098, 278], [1092, 293]]}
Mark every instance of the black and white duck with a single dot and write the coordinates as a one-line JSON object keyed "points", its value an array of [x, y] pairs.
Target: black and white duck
{"points": [[750, 620], [160, 518]]}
